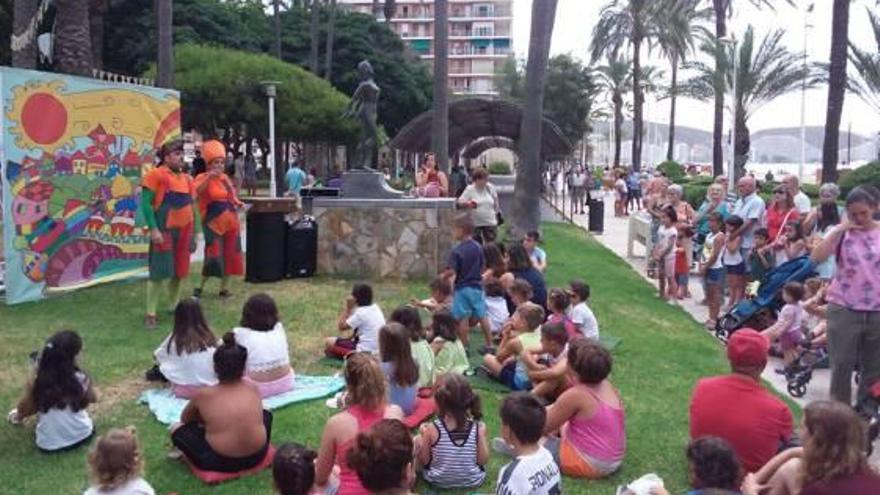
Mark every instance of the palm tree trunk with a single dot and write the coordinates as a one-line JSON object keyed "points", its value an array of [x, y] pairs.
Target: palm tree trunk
{"points": [[165, 23], [377, 8], [96, 28], [718, 124], [73, 43], [276, 26], [527, 190], [328, 55], [618, 127], [314, 34], [673, 87], [743, 144], [388, 9], [22, 13], [638, 102], [440, 122], [836, 89]]}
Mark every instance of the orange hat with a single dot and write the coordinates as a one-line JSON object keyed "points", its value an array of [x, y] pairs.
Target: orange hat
{"points": [[747, 347], [212, 150]]}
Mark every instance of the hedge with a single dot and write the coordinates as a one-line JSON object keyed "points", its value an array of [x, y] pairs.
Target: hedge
{"points": [[867, 174], [673, 170], [500, 168]]}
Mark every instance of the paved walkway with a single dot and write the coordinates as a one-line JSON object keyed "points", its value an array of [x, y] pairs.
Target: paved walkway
{"points": [[615, 237]]}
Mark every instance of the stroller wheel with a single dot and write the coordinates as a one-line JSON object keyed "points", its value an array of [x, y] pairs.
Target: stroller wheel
{"points": [[797, 389]]}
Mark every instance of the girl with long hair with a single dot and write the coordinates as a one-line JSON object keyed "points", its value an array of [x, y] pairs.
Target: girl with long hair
{"points": [[398, 366], [262, 333], [186, 357], [59, 396]]}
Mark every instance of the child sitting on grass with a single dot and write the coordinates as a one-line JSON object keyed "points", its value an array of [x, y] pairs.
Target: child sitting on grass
{"points": [[422, 353], [398, 366], [788, 327], [580, 313], [547, 366], [558, 303], [589, 416], [186, 357], [382, 457], [453, 450], [59, 396], [293, 469], [116, 465], [441, 296], [520, 291], [522, 333], [465, 266], [363, 319], [533, 471], [496, 305], [268, 358], [449, 352], [713, 467]]}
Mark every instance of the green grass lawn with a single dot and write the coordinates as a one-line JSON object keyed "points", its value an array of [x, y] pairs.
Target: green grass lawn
{"points": [[663, 351]]}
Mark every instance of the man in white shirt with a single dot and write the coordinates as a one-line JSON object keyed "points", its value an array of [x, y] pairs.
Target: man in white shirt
{"points": [[801, 200], [750, 207]]}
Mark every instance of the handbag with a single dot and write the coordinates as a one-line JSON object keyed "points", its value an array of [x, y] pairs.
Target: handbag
{"points": [[499, 218]]}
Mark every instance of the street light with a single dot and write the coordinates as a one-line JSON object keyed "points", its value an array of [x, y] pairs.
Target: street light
{"points": [[269, 87], [807, 27], [730, 40]]}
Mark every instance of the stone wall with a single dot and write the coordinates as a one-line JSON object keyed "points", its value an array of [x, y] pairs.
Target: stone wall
{"points": [[383, 238]]}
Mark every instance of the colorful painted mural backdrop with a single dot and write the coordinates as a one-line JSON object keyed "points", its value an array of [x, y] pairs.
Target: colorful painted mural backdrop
{"points": [[73, 153]]}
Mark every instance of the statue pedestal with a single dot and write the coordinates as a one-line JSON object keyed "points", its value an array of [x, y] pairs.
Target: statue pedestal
{"points": [[367, 184]]}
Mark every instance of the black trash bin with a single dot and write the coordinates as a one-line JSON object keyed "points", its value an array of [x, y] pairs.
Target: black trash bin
{"points": [[266, 238], [597, 216], [302, 248]]}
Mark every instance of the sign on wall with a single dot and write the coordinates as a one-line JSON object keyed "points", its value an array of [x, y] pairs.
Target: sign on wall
{"points": [[73, 153]]}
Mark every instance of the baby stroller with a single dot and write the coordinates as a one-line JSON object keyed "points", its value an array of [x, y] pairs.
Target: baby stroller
{"points": [[759, 311], [799, 373]]}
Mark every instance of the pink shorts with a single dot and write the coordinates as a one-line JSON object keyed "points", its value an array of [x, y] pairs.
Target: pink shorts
{"points": [[275, 387], [186, 391]]}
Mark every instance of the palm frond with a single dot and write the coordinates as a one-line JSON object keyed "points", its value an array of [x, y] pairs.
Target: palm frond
{"points": [[865, 79]]}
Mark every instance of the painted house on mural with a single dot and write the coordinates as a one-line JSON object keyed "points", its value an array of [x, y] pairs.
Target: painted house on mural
{"points": [[131, 164], [79, 162], [63, 163]]}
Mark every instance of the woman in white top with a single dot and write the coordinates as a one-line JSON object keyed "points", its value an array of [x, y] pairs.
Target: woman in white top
{"points": [[481, 199], [261, 332], [186, 356], [59, 395]]}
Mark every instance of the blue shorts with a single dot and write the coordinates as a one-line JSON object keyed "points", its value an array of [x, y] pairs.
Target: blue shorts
{"points": [[739, 269], [468, 302], [714, 276], [512, 376]]}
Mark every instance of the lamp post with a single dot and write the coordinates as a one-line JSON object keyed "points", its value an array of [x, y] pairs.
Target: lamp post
{"points": [[807, 27], [269, 86], [730, 40]]}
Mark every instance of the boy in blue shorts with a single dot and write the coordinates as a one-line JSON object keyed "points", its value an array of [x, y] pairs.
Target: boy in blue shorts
{"points": [[464, 269]]}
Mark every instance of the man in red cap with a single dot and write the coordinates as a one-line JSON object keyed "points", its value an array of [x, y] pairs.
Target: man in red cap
{"points": [[738, 409]]}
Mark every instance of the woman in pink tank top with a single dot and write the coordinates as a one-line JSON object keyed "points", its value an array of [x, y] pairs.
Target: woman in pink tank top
{"points": [[854, 297], [365, 406], [588, 416]]}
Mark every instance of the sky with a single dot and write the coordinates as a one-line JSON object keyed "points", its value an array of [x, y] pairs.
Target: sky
{"points": [[575, 20]]}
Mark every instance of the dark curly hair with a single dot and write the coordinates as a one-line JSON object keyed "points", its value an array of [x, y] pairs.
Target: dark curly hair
{"points": [[259, 313], [590, 360], [380, 455], [56, 384], [714, 464], [293, 469]]}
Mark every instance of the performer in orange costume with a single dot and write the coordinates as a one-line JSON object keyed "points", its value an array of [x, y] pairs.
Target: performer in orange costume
{"points": [[166, 203], [217, 203]]}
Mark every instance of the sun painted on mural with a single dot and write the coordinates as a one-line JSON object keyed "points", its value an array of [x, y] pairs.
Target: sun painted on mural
{"points": [[74, 154]]}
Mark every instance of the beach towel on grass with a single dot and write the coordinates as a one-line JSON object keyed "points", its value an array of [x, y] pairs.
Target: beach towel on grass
{"points": [[167, 408]]}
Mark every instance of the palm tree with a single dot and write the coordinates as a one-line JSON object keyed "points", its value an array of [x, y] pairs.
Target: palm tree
{"points": [[73, 43], [836, 89], [165, 63], [635, 23], [616, 78], [676, 45], [865, 80], [276, 26], [722, 9], [764, 72], [22, 13], [440, 122], [526, 195], [328, 55]]}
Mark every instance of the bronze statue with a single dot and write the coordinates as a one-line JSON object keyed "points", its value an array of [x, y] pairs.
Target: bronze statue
{"points": [[363, 106]]}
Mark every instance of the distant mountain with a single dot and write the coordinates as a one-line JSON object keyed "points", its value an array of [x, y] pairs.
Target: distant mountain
{"points": [[777, 145]]}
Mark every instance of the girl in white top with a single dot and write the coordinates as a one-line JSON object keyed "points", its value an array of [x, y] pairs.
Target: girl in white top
{"points": [[664, 253], [734, 261], [496, 305], [268, 360], [58, 395], [186, 356], [116, 466]]}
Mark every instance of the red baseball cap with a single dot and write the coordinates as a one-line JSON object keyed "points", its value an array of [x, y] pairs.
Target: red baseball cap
{"points": [[747, 347]]}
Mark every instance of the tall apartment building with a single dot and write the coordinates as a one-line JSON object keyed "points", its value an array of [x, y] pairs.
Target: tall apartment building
{"points": [[480, 35]]}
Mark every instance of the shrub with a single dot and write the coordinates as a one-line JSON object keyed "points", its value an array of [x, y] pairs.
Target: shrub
{"points": [[673, 170], [695, 194], [866, 174], [500, 168], [811, 190]]}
